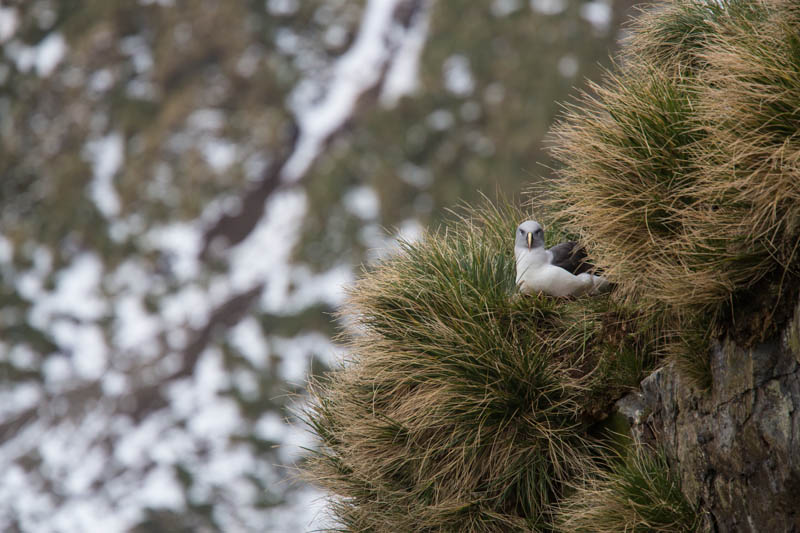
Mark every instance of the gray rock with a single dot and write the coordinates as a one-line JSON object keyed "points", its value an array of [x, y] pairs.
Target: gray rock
{"points": [[737, 447]]}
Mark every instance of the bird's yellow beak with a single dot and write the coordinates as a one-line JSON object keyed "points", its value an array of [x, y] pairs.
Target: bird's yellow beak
{"points": [[529, 238]]}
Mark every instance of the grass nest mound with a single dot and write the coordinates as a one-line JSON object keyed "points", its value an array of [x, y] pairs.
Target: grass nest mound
{"points": [[462, 405], [681, 170]]}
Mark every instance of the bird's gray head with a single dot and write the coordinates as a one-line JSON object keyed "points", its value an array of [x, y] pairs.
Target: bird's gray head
{"points": [[529, 235]]}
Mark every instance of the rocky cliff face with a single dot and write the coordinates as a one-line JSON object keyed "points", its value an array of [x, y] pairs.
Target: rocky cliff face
{"points": [[736, 447]]}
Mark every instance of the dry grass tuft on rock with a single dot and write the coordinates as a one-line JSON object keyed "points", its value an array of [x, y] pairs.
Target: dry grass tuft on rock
{"points": [[682, 170], [463, 406], [636, 493]]}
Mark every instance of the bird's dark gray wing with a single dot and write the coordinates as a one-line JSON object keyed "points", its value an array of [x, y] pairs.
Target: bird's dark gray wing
{"points": [[571, 257]]}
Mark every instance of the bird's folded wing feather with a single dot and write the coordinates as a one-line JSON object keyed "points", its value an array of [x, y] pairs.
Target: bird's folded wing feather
{"points": [[571, 257]]}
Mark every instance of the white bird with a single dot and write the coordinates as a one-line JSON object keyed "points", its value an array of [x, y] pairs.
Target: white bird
{"points": [[560, 271]]}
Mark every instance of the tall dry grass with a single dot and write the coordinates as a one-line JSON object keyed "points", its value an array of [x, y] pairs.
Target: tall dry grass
{"points": [[680, 170], [635, 493], [463, 406]]}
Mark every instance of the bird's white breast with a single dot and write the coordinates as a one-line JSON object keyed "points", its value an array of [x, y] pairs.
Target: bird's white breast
{"points": [[529, 262], [536, 274]]}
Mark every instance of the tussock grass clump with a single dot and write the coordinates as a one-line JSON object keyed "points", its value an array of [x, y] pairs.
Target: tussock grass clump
{"points": [[463, 406], [636, 492], [681, 170], [674, 35]]}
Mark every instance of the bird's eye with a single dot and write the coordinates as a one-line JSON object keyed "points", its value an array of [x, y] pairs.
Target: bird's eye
{"points": [[539, 231], [521, 230]]}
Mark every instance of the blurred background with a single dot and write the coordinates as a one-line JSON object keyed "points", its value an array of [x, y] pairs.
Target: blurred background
{"points": [[185, 188]]}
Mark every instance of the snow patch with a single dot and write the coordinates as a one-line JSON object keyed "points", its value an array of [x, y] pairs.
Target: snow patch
{"points": [[161, 490], [402, 77], [310, 288], [115, 384], [135, 441], [180, 243], [106, 155], [261, 257], [85, 345], [440, 120], [282, 7], [503, 8], [248, 338], [297, 354], [56, 370], [358, 68], [362, 202], [100, 81], [133, 325], [49, 53], [43, 57], [305, 510], [9, 22], [138, 50], [382, 245], [76, 294], [217, 419], [410, 230], [598, 14], [190, 306], [457, 75], [130, 277], [246, 382], [271, 427], [90, 467], [210, 376], [207, 119], [219, 153], [23, 357], [21, 396], [549, 7]]}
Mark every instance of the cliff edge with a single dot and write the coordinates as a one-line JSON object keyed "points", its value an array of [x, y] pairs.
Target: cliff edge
{"points": [[736, 448]]}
